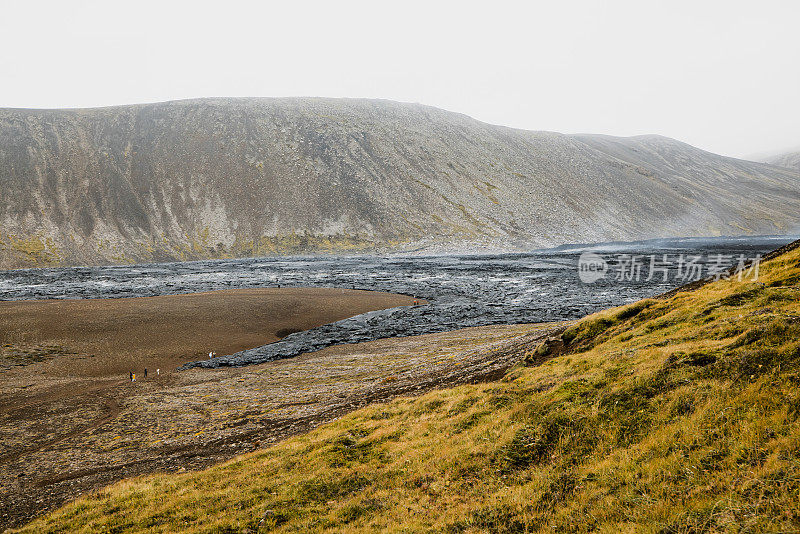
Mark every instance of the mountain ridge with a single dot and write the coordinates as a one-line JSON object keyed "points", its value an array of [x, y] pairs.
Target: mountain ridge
{"points": [[219, 177]]}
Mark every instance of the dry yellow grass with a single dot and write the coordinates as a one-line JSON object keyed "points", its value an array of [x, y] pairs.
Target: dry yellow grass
{"points": [[670, 416]]}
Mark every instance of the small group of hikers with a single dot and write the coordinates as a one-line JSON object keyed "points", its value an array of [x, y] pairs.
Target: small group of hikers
{"points": [[132, 375]]}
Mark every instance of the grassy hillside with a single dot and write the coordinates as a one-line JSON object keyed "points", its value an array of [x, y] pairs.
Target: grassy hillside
{"points": [[672, 415]]}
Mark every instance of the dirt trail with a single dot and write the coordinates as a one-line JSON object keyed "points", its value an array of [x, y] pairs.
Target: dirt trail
{"points": [[111, 409], [13, 404]]}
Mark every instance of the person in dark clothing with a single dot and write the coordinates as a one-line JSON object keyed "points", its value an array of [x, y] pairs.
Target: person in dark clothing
{"points": [[130, 375], [145, 372]]}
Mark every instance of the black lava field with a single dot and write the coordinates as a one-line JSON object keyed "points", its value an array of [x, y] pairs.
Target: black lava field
{"points": [[461, 290]]}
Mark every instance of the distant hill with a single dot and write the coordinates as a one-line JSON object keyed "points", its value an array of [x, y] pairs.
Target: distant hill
{"points": [[787, 159], [238, 177]]}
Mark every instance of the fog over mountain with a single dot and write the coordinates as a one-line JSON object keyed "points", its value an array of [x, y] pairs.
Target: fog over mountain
{"points": [[238, 177], [789, 159]]}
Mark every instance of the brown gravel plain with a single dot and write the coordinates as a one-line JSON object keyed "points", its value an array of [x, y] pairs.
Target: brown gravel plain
{"points": [[104, 338], [71, 421]]}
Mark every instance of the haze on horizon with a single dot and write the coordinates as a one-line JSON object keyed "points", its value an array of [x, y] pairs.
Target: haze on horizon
{"points": [[720, 75]]}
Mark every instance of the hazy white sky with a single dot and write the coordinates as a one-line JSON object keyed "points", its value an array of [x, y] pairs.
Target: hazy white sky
{"points": [[722, 75]]}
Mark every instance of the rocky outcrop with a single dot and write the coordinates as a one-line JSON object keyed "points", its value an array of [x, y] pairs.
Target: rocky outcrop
{"points": [[238, 177]]}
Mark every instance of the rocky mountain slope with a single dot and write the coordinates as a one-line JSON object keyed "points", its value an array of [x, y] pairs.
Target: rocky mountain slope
{"points": [[236, 177]]}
